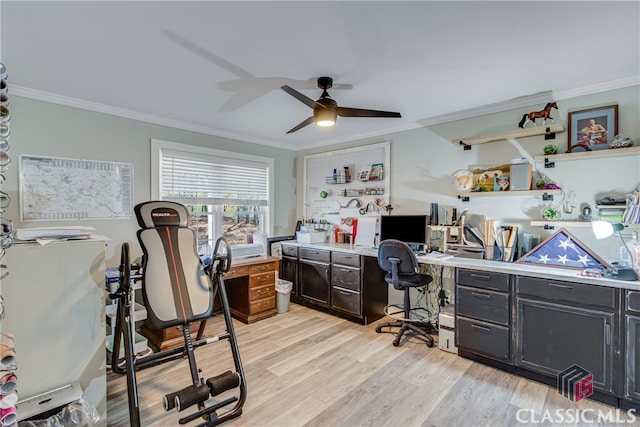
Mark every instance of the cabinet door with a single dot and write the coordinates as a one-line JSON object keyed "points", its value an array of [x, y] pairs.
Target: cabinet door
{"points": [[289, 271], [632, 365], [553, 337], [315, 281]]}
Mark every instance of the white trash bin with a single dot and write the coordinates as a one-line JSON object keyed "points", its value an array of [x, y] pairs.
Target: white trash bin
{"points": [[283, 294]]}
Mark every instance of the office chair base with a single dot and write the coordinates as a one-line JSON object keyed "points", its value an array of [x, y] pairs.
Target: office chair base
{"points": [[419, 330]]}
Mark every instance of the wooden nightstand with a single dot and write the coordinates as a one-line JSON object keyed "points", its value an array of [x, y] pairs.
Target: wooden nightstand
{"points": [[251, 288]]}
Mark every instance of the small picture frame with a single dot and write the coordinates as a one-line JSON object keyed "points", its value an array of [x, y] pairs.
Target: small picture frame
{"points": [[592, 129], [377, 172]]}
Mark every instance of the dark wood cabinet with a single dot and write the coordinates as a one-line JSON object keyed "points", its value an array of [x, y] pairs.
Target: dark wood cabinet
{"points": [[289, 268], [561, 324], [632, 346], [315, 275], [343, 283], [346, 280], [483, 314]]}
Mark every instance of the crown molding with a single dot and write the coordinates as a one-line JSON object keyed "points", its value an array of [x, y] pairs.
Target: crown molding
{"points": [[526, 101], [136, 115]]}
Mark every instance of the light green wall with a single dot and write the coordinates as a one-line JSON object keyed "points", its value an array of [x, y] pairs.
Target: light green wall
{"points": [[42, 128]]}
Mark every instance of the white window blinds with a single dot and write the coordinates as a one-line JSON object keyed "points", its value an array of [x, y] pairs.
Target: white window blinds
{"points": [[192, 178]]}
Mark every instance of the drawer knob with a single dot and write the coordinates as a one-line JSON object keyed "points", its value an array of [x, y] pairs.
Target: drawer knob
{"points": [[263, 305]]}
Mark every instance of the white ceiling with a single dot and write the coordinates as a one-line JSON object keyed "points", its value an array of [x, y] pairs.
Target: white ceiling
{"points": [[217, 67]]}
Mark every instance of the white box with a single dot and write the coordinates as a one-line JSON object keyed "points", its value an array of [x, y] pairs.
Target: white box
{"points": [[447, 331], [314, 237], [447, 340]]}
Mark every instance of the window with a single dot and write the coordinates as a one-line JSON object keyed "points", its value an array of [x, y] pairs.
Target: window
{"points": [[227, 193]]}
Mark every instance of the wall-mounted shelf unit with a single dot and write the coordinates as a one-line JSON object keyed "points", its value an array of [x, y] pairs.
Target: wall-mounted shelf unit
{"points": [[548, 131], [550, 160], [546, 194]]}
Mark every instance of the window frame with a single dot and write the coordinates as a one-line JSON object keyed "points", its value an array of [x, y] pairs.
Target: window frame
{"points": [[157, 146]]}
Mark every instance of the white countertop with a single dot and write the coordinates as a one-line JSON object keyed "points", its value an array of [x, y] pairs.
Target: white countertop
{"points": [[552, 273]]}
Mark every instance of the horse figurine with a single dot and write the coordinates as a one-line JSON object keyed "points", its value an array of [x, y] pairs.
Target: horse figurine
{"points": [[544, 115]]}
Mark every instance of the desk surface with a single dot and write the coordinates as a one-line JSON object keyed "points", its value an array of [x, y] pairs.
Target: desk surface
{"points": [[553, 273]]}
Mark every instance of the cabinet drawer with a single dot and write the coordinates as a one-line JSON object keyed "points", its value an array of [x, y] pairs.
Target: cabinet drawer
{"points": [[345, 258], [236, 272], [262, 292], [262, 279], [556, 290], [261, 268], [314, 254], [346, 300], [482, 337], [483, 279], [262, 305], [289, 250], [345, 277], [633, 301], [482, 304]]}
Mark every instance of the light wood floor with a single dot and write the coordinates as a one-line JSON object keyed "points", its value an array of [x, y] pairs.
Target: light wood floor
{"points": [[307, 368]]}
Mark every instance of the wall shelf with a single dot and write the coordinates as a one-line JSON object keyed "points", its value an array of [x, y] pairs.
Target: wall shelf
{"points": [[548, 130], [546, 194], [550, 225], [550, 160]]}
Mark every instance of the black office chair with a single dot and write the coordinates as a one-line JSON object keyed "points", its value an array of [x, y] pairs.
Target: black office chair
{"points": [[400, 263]]}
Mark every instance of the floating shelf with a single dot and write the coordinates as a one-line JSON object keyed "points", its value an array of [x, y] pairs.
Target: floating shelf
{"points": [[551, 159], [551, 129], [514, 193], [577, 224]]}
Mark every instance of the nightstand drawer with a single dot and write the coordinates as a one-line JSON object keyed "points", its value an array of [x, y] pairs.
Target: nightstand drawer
{"points": [[262, 292], [236, 272], [261, 268], [262, 305], [262, 279]]}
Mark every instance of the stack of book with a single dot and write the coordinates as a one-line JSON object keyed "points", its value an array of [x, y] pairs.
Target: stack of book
{"points": [[611, 213]]}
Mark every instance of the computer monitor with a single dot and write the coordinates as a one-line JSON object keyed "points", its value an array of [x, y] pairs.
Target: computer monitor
{"points": [[411, 229]]}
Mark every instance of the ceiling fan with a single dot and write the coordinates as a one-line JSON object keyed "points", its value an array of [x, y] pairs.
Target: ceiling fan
{"points": [[326, 110]]}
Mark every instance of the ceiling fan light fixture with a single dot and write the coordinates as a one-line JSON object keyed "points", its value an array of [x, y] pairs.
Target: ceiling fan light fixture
{"points": [[325, 117]]}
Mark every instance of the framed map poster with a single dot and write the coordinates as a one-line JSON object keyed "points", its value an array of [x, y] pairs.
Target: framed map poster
{"points": [[56, 188]]}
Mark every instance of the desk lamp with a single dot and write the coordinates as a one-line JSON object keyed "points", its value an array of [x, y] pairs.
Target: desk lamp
{"points": [[604, 229]]}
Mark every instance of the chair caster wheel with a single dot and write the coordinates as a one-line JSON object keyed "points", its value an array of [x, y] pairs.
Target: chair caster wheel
{"points": [[378, 329], [396, 344], [430, 344]]}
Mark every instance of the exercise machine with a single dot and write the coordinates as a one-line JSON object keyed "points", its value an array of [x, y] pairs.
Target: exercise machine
{"points": [[177, 289]]}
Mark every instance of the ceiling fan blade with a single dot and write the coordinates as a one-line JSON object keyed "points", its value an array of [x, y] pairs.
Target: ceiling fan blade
{"points": [[302, 124], [359, 112], [300, 97]]}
